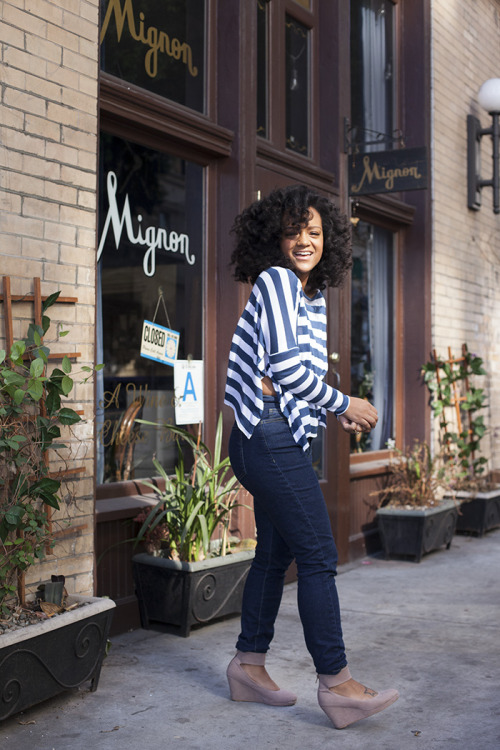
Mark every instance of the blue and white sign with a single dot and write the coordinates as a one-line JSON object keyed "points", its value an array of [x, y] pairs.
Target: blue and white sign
{"points": [[188, 388], [159, 343]]}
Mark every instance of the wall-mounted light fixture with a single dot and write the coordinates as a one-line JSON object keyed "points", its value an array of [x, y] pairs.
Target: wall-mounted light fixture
{"points": [[489, 98]]}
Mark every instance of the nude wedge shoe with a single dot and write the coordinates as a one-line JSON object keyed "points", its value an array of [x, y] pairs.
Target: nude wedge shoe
{"points": [[343, 711], [243, 688]]}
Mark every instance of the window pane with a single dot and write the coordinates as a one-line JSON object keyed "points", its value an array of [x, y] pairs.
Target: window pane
{"points": [[372, 72], [150, 229], [297, 86], [262, 67], [159, 46], [372, 330]]}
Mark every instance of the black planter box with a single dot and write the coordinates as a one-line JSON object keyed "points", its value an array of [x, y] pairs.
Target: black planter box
{"points": [[416, 532], [480, 514], [180, 594], [42, 660]]}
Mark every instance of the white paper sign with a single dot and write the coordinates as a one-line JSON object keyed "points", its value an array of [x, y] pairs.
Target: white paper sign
{"points": [[159, 343], [188, 388]]}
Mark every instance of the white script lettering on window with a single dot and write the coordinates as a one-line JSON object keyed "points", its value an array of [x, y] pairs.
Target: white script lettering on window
{"points": [[154, 238]]}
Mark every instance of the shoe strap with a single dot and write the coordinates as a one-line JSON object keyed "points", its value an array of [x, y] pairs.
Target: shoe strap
{"points": [[251, 657], [332, 680]]}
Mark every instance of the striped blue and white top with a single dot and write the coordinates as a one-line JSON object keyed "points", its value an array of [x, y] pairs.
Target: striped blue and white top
{"points": [[282, 334]]}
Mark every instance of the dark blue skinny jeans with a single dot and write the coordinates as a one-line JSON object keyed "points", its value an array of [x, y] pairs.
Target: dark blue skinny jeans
{"points": [[292, 523]]}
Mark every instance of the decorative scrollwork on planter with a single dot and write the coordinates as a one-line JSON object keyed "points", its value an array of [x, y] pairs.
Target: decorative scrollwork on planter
{"points": [[207, 587], [10, 696], [212, 593], [439, 531], [34, 666], [42, 661], [180, 595], [89, 637]]}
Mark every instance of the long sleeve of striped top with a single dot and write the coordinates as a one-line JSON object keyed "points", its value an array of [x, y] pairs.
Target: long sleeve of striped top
{"points": [[282, 334]]}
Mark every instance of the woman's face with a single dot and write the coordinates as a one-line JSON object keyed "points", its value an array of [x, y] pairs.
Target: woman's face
{"points": [[303, 245]]}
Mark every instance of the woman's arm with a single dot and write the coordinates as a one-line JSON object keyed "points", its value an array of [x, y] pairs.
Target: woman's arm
{"points": [[279, 292]]}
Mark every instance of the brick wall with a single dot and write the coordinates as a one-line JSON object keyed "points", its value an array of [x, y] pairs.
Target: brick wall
{"points": [[466, 244], [48, 162]]}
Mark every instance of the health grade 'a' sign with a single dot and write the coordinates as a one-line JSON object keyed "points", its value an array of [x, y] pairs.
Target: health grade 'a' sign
{"points": [[159, 343], [188, 388]]}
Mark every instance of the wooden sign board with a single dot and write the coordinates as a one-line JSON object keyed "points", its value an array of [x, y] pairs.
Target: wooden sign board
{"points": [[388, 171]]}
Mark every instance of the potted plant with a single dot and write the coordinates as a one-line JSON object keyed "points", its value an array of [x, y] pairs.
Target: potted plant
{"points": [[458, 404], [189, 577], [414, 518], [62, 650]]}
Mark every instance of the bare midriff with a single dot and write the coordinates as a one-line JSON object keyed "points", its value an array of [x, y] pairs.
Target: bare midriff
{"points": [[267, 387]]}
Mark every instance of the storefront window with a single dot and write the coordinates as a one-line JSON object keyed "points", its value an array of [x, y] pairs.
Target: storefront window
{"points": [[150, 266], [297, 86], [159, 46], [262, 67], [372, 330], [372, 73]]}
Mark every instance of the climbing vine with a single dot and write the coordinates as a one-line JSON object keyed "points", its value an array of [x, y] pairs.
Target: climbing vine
{"points": [[457, 403]]}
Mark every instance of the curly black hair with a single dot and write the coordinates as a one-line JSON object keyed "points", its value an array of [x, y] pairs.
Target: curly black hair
{"points": [[259, 228]]}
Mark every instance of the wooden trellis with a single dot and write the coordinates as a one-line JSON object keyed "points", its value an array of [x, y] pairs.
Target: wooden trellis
{"points": [[36, 298], [456, 397]]}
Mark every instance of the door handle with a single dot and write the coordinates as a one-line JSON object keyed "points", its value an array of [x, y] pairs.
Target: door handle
{"points": [[334, 357]]}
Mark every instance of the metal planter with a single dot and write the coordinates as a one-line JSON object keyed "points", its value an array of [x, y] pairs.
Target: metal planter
{"points": [[416, 532], [178, 595], [42, 660], [479, 514]]}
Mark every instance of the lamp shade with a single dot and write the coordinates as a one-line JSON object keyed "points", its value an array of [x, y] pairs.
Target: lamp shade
{"points": [[489, 95]]}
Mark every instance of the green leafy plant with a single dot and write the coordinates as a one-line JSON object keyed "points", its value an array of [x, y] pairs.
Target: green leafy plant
{"points": [[32, 412], [417, 479], [193, 504], [456, 403]]}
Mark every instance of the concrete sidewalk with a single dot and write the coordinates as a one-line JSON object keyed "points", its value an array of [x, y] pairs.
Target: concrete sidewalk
{"points": [[430, 629]]}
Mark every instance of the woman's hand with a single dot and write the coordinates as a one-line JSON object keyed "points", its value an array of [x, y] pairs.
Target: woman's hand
{"points": [[361, 416], [348, 426]]}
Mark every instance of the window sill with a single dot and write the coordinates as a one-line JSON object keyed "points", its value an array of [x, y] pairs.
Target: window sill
{"points": [[365, 465], [117, 500], [116, 508]]}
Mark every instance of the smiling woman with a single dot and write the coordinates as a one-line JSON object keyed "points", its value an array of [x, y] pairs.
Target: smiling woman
{"points": [[303, 245], [299, 243]]}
